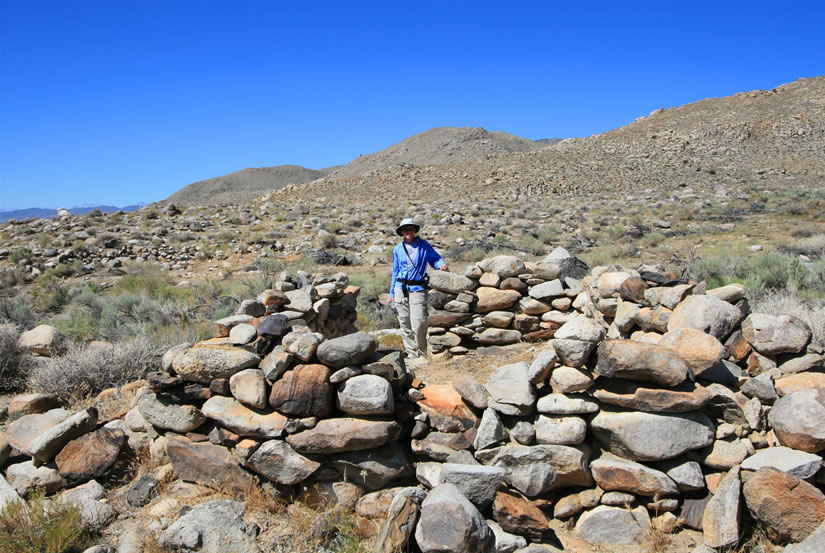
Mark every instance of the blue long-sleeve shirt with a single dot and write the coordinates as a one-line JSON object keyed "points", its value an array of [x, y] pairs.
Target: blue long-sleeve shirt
{"points": [[401, 265]]}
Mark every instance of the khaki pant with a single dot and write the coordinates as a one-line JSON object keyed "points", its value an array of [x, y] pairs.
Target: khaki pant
{"points": [[412, 316]]}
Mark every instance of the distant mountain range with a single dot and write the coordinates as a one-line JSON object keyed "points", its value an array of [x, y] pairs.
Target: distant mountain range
{"points": [[45, 213]]}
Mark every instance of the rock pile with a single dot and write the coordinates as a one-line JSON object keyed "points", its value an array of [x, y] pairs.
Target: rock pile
{"points": [[657, 404]]}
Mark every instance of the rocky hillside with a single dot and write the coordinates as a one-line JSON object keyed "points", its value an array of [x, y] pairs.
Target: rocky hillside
{"points": [[242, 186], [775, 136], [439, 146]]}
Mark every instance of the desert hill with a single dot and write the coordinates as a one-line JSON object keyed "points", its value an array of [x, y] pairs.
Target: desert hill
{"points": [[439, 146], [776, 135], [242, 186]]}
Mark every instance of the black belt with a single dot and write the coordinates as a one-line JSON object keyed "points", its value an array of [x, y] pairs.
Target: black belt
{"points": [[407, 282]]}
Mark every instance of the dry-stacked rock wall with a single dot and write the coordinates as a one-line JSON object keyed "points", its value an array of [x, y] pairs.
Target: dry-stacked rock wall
{"points": [[656, 404]]}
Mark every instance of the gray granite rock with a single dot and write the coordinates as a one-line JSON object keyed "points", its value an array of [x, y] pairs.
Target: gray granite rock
{"points": [[652, 437], [450, 522], [213, 527], [614, 525]]}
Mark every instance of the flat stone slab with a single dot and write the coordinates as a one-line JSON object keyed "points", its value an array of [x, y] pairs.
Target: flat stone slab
{"points": [[791, 461], [344, 434], [687, 396], [243, 420]]}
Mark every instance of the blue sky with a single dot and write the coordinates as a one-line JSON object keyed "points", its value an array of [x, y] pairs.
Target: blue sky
{"points": [[122, 101]]}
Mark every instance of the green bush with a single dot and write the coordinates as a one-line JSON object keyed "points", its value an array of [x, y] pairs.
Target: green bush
{"points": [[50, 294], [652, 239], [42, 526], [89, 369], [329, 242], [15, 364], [532, 245], [20, 254], [759, 272]]}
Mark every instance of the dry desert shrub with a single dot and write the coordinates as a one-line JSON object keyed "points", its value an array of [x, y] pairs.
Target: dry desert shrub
{"points": [[40, 525], [15, 364], [90, 369]]}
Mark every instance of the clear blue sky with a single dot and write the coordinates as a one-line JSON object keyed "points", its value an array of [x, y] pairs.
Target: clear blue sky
{"points": [[121, 101]]}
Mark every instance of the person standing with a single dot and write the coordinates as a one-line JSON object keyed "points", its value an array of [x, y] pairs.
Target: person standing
{"points": [[408, 289]]}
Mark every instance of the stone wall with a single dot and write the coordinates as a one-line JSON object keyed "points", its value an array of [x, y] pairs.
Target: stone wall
{"points": [[655, 404]]}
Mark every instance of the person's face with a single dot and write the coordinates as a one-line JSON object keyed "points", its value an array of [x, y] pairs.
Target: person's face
{"points": [[408, 233]]}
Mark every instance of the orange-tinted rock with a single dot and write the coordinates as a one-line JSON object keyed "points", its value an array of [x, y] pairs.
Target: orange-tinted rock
{"points": [[789, 507], [304, 391], [90, 456], [518, 515], [446, 409], [798, 382]]}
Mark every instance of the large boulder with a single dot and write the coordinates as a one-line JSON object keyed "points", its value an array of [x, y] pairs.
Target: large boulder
{"points": [[642, 361], [706, 313], [230, 413], [790, 508], [204, 463], [450, 283], [652, 436], [213, 527], [614, 525], [90, 456], [774, 334], [165, 413], [449, 522], [278, 462], [700, 350], [42, 340], [617, 474], [304, 391], [23, 431], [796, 463], [344, 434], [723, 514], [509, 385], [797, 420], [48, 444], [478, 483], [353, 349], [534, 470], [203, 362], [503, 265], [365, 394], [494, 299]]}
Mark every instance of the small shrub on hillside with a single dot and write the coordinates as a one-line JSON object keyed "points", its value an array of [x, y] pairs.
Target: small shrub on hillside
{"points": [[90, 369], [150, 281], [652, 239], [15, 364], [811, 245], [532, 245], [773, 271], [42, 526], [17, 310], [50, 294], [11, 277], [329, 242], [20, 254], [267, 274]]}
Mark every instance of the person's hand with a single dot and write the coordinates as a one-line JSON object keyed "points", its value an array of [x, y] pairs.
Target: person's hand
{"points": [[443, 268], [390, 300]]}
